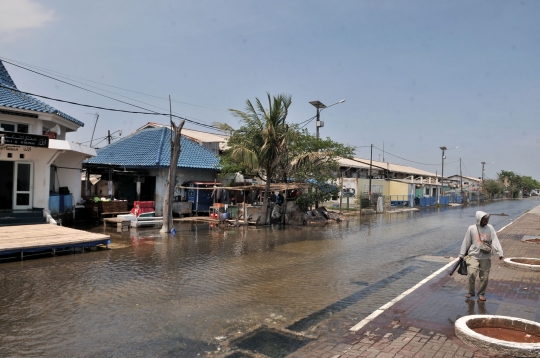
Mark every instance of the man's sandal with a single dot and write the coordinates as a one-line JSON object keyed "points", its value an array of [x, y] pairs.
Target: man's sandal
{"points": [[481, 297], [469, 295]]}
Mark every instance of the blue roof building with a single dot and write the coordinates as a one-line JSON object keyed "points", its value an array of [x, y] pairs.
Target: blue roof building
{"points": [[151, 148], [138, 166]]}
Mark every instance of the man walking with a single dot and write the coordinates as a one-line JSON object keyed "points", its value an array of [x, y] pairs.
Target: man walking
{"points": [[478, 244]]}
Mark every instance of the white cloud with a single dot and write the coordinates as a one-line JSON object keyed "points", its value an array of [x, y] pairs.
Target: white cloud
{"points": [[17, 15]]}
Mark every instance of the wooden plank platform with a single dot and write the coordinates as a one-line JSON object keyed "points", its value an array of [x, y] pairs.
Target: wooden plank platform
{"points": [[43, 237], [120, 224], [197, 218]]}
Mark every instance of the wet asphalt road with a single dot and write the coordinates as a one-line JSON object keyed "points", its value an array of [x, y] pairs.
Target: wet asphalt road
{"points": [[180, 296]]}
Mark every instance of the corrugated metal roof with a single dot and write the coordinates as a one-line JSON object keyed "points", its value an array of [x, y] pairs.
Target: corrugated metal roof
{"points": [[14, 99], [151, 148], [198, 136], [364, 163], [465, 177]]}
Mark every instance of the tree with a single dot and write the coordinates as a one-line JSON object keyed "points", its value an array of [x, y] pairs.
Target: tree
{"points": [[257, 145], [493, 187], [302, 158], [517, 182], [315, 161], [171, 181]]}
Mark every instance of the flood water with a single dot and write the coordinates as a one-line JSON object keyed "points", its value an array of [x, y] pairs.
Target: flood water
{"points": [[180, 296]]}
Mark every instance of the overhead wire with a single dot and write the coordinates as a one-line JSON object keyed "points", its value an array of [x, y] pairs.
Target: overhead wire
{"points": [[467, 169], [109, 97], [110, 109], [59, 74], [309, 119], [307, 122], [408, 160]]}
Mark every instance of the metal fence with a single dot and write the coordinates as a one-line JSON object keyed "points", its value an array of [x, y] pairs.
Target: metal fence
{"points": [[406, 201]]}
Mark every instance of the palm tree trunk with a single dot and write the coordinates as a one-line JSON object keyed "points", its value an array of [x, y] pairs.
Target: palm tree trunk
{"points": [[264, 211]]}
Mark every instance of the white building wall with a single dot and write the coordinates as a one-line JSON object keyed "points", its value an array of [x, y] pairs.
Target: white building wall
{"points": [[68, 170], [40, 158], [182, 175]]}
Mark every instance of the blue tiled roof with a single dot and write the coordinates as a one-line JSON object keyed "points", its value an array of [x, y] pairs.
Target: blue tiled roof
{"points": [[151, 148], [14, 99]]}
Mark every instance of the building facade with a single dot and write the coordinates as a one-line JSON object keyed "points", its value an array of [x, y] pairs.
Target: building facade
{"points": [[136, 167], [36, 160]]}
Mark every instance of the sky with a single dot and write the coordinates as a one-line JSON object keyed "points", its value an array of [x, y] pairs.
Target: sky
{"points": [[416, 75]]}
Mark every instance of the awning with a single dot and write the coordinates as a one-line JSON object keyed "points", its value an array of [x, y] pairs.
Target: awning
{"points": [[94, 178]]}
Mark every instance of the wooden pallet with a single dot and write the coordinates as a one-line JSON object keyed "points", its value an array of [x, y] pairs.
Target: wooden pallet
{"points": [[120, 224]]}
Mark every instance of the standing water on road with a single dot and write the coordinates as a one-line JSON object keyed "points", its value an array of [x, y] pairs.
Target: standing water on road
{"points": [[163, 295]]}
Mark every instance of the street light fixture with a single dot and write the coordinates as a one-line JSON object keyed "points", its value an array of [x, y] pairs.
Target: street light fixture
{"points": [[320, 106], [443, 148]]}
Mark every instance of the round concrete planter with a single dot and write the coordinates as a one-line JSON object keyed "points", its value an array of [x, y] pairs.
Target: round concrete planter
{"points": [[464, 326], [531, 240], [517, 262]]}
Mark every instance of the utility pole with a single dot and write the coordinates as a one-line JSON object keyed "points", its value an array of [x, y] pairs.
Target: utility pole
{"points": [[109, 136], [483, 163], [442, 171], [442, 176], [318, 124], [461, 182], [320, 106], [370, 173]]}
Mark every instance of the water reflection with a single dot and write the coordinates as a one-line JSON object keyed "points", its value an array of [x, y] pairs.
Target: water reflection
{"points": [[162, 295]]}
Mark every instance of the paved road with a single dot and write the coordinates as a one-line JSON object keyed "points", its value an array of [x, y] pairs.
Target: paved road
{"points": [[203, 288]]}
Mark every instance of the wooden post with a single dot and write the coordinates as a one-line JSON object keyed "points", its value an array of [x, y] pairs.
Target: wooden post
{"points": [[138, 188], [171, 182], [244, 214], [87, 183], [341, 194]]}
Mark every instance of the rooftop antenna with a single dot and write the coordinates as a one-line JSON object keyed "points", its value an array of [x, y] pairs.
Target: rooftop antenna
{"points": [[95, 124]]}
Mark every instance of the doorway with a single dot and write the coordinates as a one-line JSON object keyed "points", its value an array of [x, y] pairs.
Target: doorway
{"points": [[22, 196], [6, 185]]}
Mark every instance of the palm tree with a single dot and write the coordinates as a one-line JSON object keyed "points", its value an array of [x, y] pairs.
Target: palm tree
{"points": [[264, 133]]}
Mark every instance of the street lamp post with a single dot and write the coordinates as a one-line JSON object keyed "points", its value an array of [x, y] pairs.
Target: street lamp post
{"points": [[442, 175], [443, 148], [483, 164], [320, 106]]}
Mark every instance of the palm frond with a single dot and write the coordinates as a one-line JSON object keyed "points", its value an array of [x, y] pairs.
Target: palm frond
{"points": [[247, 157]]}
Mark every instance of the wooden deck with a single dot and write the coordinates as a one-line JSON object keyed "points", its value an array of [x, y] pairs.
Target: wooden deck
{"points": [[43, 237], [120, 224], [206, 219]]}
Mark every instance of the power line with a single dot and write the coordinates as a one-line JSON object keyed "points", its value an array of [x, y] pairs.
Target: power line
{"points": [[408, 160], [104, 84], [111, 109], [99, 94], [463, 163], [412, 161], [309, 119]]}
